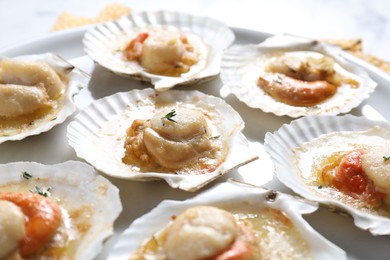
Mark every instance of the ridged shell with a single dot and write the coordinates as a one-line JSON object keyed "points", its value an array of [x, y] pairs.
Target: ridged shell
{"points": [[242, 65], [117, 112], [229, 193], [104, 44], [76, 81], [282, 143], [78, 188]]}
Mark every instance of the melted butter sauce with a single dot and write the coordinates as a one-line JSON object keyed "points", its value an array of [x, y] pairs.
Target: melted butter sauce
{"points": [[16, 125], [325, 186], [48, 112], [209, 160]]}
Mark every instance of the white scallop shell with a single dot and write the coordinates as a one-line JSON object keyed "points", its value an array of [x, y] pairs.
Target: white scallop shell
{"points": [[76, 185], [105, 42], [282, 143], [242, 65], [98, 132], [230, 193], [77, 80]]}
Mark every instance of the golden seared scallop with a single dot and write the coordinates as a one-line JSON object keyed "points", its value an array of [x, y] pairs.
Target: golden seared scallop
{"points": [[36, 93], [37, 73], [204, 232], [12, 226], [355, 166], [17, 100], [172, 139], [184, 137], [288, 75], [164, 53]]}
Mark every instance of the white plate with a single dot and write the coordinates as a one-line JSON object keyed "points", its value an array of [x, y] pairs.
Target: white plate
{"points": [[139, 198]]}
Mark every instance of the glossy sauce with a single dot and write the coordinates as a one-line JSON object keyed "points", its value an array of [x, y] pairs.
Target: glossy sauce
{"points": [[206, 161], [346, 174], [133, 51]]}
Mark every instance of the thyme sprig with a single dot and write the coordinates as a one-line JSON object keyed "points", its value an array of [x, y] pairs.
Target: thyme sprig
{"points": [[170, 115]]}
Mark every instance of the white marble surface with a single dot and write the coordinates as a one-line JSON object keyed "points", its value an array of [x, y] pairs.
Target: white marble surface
{"points": [[366, 19]]}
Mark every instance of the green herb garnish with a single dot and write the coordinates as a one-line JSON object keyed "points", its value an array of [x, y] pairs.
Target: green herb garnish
{"points": [[170, 115], [26, 175], [279, 80], [42, 191], [385, 158], [320, 187], [215, 137]]}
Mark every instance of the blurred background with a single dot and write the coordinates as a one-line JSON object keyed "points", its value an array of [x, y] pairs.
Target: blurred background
{"points": [[368, 20]]}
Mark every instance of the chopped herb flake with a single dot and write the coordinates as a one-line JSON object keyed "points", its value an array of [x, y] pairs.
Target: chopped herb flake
{"points": [[215, 137], [26, 175], [42, 191], [385, 158], [279, 80], [320, 187]]}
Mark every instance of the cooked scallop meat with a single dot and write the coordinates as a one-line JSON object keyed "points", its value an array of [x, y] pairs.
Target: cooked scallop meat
{"points": [[228, 221], [36, 93], [294, 76], [17, 100], [186, 138], [29, 73], [339, 161], [164, 48]]}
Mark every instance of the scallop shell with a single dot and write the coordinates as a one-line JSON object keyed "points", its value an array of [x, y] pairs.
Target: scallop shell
{"points": [[97, 134], [242, 65], [76, 80], [105, 42], [232, 194], [282, 146], [77, 188]]}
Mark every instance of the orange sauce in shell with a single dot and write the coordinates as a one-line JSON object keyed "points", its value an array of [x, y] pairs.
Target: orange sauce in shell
{"points": [[348, 176]]}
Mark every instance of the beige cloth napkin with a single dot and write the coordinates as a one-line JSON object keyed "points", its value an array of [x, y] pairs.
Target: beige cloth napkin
{"points": [[110, 12], [355, 47]]}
